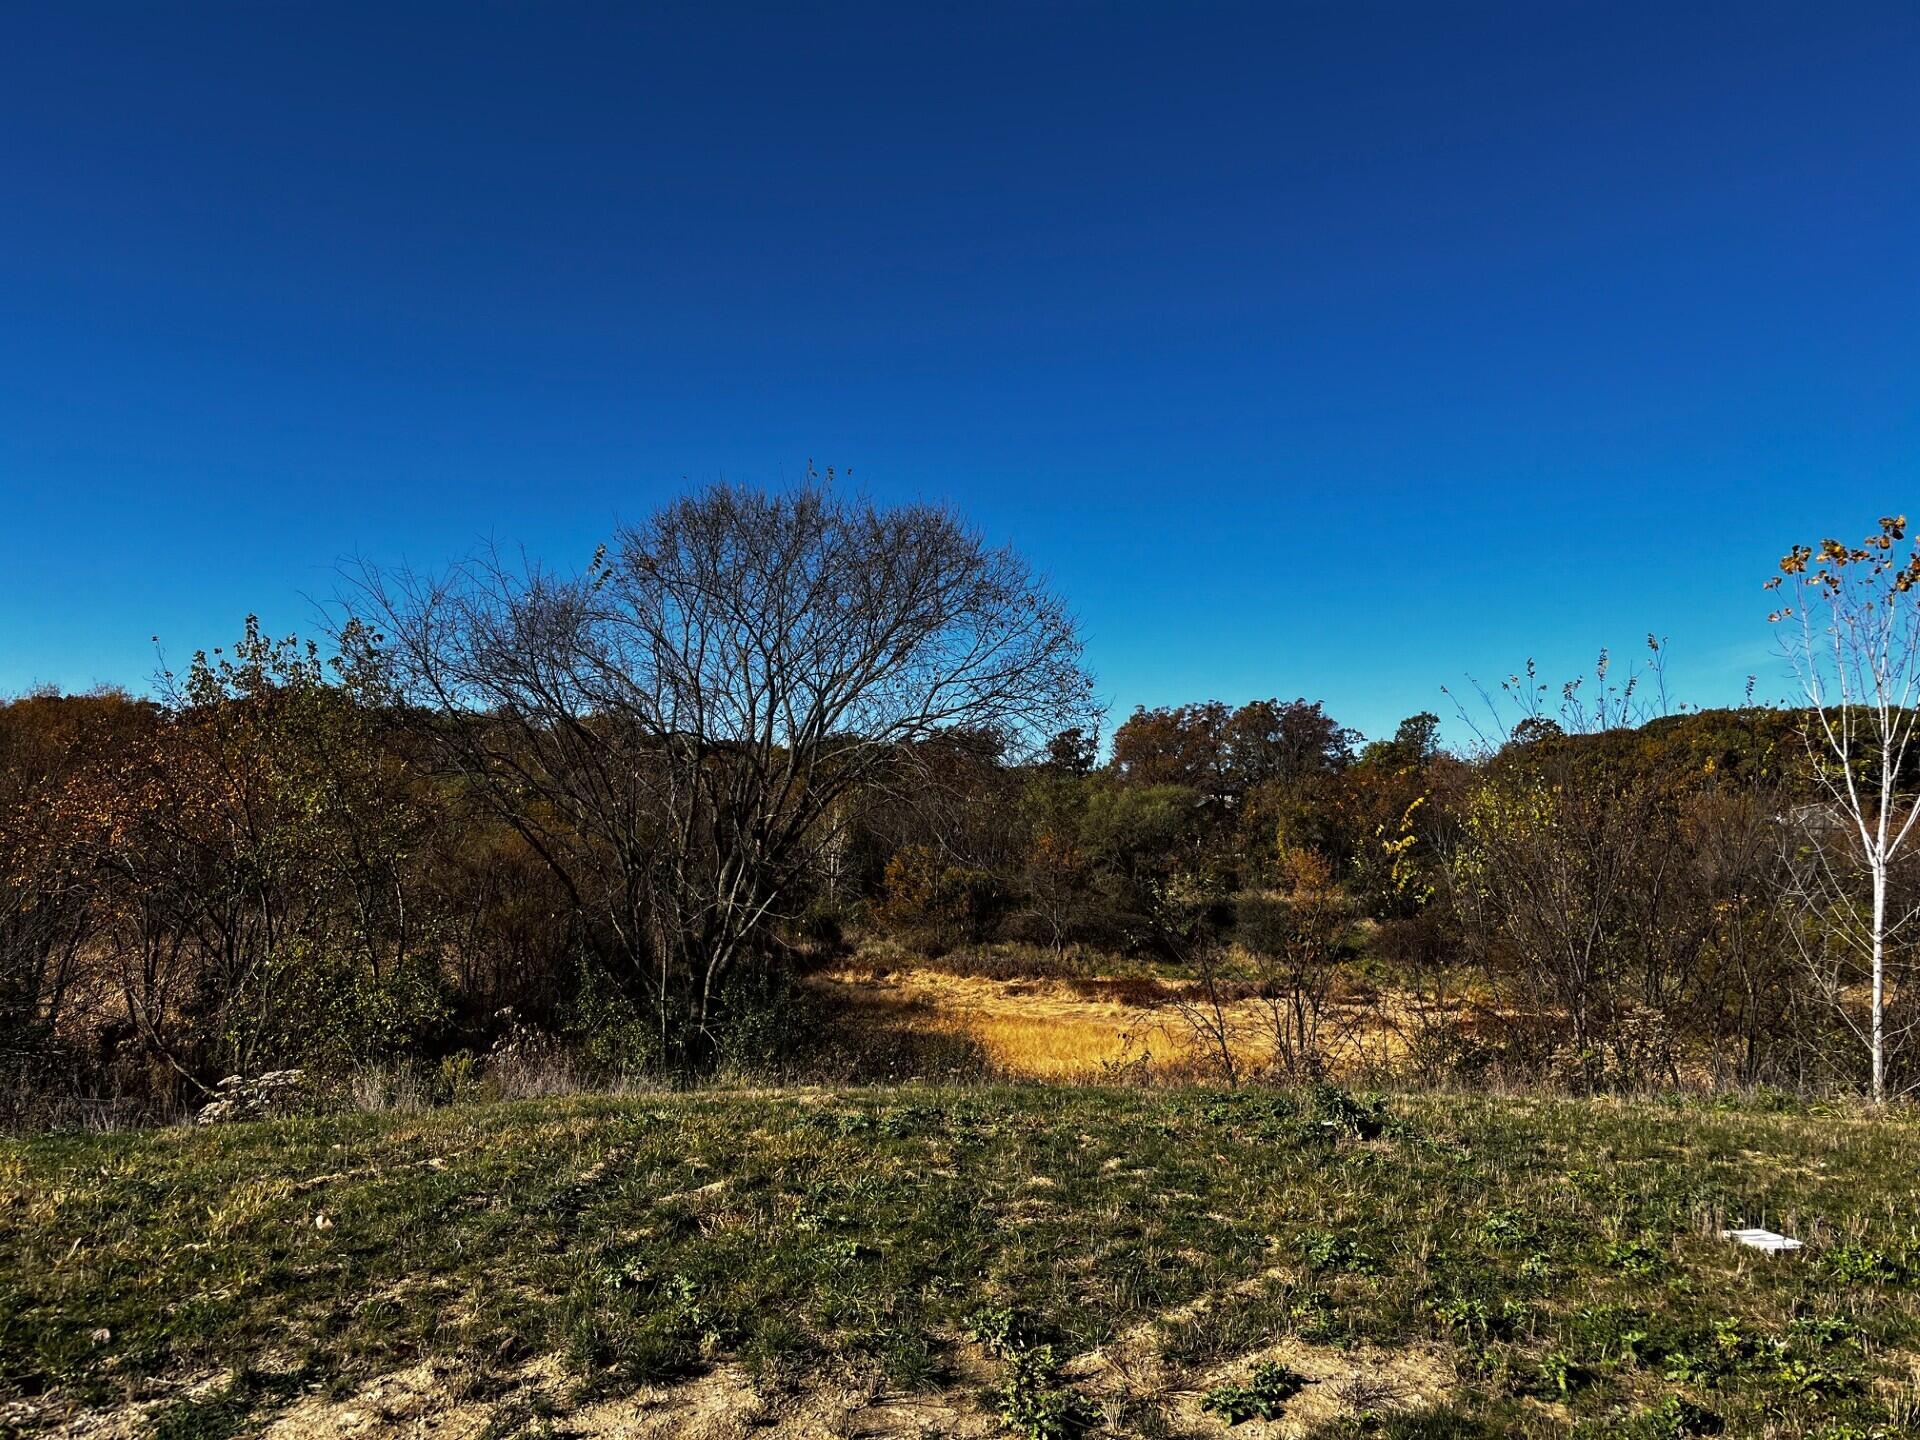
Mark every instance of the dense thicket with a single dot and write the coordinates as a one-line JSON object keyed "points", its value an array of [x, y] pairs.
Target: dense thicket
{"points": [[614, 815], [266, 869]]}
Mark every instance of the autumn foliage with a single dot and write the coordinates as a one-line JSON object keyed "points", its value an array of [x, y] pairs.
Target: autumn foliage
{"points": [[286, 857]]}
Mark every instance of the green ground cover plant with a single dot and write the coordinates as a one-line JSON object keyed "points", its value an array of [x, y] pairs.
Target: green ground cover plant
{"points": [[1558, 1262]]}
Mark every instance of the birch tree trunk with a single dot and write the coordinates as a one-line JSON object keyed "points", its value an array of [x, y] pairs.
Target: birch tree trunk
{"points": [[1856, 654]]}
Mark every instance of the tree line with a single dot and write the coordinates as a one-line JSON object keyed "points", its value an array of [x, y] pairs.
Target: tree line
{"points": [[625, 809]]}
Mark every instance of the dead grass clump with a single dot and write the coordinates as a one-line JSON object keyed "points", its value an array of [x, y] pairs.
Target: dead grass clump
{"points": [[1012, 961], [387, 1089], [1135, 990], [529, 1066]]}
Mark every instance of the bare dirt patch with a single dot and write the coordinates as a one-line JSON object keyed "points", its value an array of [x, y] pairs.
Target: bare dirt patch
{"points": [[1339, 1383], [724, 1403]]}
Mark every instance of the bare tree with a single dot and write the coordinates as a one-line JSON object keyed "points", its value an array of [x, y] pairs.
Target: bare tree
{"points": [[1855, 651], [1551, 849], [1186, 912], [1296, 949], [1540, 878], [673, 728]]}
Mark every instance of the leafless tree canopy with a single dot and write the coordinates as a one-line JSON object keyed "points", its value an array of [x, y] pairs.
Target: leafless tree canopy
{"points": [[683, 726]]}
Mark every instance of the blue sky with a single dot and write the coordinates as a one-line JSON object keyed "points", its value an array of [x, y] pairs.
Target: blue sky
{"points": [[1324, 349]]}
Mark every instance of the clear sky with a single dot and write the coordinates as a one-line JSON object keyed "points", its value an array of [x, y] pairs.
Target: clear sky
{"points": [[1335, 349]]}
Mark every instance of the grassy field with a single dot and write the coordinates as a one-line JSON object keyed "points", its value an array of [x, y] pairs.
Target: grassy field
{"points": [[923, 1262]]}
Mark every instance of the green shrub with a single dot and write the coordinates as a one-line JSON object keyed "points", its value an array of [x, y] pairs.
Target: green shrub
{"points": [[1678, 1418], [1634, 1257], [1812, 1380], [1560, 1375], [615, 1036], [1263, 1396], [1863, 1265], [1337, 1114], [1032, 1404], [766, 1018], [369, 1018], [1324, 1250]]}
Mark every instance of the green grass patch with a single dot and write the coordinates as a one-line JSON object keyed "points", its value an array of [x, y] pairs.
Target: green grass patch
{"points": [[1564, 1256]]}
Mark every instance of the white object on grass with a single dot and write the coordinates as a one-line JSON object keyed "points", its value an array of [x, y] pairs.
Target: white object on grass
{"points": [[1765, 1240]]}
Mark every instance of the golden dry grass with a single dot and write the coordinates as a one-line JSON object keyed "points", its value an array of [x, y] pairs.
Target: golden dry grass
{"points": [[1036, 1029], [1054, 1030]]}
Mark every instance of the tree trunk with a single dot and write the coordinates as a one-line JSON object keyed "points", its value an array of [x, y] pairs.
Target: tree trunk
{"points": [[1879, 1044]]}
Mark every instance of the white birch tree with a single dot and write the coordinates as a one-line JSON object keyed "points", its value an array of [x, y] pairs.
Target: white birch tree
{"points": [[1851, 633]]}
